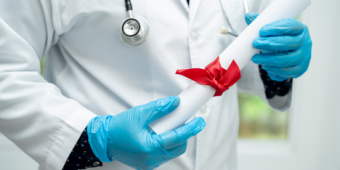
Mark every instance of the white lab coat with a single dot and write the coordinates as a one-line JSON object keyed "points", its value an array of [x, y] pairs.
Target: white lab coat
{"points": [[90, 72]]}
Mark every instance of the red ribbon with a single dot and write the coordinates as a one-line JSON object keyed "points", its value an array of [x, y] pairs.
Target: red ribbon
{"points": [[214, 75]]}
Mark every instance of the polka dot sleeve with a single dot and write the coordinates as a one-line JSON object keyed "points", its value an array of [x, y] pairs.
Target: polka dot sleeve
{"points": [[275, 87], [82, 156]]}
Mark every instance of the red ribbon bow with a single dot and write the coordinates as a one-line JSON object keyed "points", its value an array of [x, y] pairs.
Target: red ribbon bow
{"points": [[214, 75]]}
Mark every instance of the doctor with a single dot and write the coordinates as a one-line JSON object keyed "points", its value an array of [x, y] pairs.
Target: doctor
{"points": [[94, 106]]}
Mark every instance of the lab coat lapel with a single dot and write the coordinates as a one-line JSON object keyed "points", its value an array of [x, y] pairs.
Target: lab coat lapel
{"points": [[185, 5], [194, 5]]}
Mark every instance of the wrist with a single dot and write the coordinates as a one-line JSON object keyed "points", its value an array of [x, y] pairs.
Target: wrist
{"points": [[82, 156], [97, 131]]}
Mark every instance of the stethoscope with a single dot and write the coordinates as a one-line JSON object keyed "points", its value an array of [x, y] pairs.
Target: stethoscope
{"points": [[135, 29]]}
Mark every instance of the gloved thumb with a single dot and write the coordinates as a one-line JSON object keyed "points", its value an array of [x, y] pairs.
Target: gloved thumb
{"points": [[161, 107], [182, 134], [250, 17]]}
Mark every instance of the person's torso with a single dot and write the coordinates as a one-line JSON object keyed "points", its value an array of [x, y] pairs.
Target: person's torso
{"points": [[92, 65]]}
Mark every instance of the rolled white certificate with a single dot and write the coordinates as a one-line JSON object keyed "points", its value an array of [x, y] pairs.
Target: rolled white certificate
{"points": [[241, 51]]}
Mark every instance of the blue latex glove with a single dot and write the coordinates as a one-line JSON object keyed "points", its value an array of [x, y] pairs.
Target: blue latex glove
{"points": [[127, 138], [285, 48]]}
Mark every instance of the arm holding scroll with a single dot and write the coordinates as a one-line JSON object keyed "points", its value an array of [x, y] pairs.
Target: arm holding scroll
{"points": [[285, 54]]}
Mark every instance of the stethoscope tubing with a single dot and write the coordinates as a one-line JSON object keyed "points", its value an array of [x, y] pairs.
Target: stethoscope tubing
{"points": [[132, 39]]}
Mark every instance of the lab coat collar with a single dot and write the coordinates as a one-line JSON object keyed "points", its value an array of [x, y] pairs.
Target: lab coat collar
{"points": [[185, 5]]}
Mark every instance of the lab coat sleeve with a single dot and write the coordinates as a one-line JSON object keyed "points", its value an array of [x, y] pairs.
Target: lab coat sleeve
{"points": [[251, 83], [34, 114]]}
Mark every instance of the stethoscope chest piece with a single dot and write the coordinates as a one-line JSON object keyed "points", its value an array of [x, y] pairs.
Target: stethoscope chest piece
{"points": [[134, 30]]}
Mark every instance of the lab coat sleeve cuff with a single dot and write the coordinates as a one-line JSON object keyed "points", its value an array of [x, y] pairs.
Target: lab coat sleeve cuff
{"points": [[65, 139]]}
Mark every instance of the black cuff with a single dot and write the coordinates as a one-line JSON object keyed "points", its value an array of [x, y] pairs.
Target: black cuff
{"points": [[82, 156], [275, 87]]}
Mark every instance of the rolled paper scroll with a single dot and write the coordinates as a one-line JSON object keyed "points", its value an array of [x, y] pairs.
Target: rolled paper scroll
{"points": [[240, 52]]}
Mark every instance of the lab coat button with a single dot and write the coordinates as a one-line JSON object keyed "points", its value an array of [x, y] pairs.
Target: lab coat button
{"points": [[224, 30], [96, 163], [195, 36], [203, 109]]}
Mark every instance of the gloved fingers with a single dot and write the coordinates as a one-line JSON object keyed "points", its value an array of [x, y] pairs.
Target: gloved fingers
{"points": [[180, 135], [250, 17], [279, 60], [283, 27], [289, 72], [161, 107], [178, 151], [168, 154], [279, 43]]}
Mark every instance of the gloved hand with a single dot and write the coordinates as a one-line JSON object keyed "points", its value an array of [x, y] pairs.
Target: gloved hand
{"points": [[127, 138], [286, 48]]}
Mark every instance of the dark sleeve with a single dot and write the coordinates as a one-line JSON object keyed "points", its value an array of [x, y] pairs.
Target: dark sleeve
{"points": [[275, 87], [82, 156]]}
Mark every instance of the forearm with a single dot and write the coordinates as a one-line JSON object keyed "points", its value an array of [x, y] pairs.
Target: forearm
{"points": [[38, 119]]}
